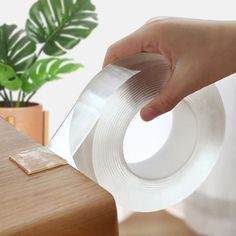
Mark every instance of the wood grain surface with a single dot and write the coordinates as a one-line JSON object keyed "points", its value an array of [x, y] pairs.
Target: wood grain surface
{"points": [[57, 202], [154, 224]]}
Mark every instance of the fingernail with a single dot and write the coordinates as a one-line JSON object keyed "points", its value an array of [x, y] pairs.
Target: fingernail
{"points": [[148, 113]]}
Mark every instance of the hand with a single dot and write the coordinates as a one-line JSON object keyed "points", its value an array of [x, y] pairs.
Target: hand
{"points": [[198, 52]]}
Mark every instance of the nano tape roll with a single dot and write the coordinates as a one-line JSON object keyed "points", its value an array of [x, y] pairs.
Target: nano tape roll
{"points": [[91, 137]]}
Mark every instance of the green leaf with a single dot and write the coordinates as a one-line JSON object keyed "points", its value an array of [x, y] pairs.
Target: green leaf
{"points": [[60, 24], [16, 48], [68, 68], [8, 78], [47, 70]]}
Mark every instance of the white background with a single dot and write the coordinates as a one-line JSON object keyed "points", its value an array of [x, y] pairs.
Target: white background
{"points": [[117, 18]]}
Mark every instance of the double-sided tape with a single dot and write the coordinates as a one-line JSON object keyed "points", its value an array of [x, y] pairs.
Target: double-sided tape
{"points": [[91, 137]]}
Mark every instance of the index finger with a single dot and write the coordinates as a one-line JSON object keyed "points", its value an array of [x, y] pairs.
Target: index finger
{"points": [[127, 46]]}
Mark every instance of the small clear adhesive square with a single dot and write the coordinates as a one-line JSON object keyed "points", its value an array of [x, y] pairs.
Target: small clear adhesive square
{"points": [[37, 160]]}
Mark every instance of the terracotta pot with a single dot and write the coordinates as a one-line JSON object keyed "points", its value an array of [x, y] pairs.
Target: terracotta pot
{"points": [[31, 120]]}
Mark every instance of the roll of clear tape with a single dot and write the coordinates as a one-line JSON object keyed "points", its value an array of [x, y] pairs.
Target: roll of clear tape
{"points": [[91, 137]]}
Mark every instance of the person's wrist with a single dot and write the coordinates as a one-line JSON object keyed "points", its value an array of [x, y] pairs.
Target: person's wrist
{"points": [[222, 52], [229, 47]]}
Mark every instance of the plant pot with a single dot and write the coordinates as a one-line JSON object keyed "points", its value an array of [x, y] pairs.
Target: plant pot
{"points": [[31, 120]]}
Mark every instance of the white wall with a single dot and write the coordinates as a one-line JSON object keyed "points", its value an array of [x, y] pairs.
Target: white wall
{"points": [[116, 19]]}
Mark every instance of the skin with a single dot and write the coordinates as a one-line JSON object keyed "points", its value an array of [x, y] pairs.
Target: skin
{"points": [[198, 52]]}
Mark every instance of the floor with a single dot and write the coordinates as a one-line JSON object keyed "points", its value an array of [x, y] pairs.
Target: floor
{"points": [[154, 224]]}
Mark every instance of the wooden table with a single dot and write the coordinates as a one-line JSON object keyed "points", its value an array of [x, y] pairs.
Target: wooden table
{"points": [[59, 201]]}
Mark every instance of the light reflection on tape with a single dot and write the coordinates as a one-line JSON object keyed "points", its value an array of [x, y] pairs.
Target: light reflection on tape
{"points": [[91, 137]]}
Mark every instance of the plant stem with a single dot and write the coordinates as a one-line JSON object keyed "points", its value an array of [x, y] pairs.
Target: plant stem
{"points": [[11, 99], [7, 101], [22, 99], [35, 58], [30, 96], [18, 99], [33, 61], [2, 96], [39, 53]]}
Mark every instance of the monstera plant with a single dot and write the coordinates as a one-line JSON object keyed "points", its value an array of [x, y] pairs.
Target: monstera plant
{"points": [[33, 56]]}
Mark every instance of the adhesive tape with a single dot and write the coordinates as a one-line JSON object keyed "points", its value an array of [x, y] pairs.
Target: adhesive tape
{"points": [[91, 137]]}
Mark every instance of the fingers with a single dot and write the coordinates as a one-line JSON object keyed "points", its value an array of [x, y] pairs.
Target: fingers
{"points": [[129, 45], [168, 98]]}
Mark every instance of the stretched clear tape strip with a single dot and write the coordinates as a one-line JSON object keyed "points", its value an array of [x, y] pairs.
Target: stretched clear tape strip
{"points": [[91, 137]]}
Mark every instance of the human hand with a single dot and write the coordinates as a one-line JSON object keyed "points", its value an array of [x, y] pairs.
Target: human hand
{"points": [[198, 52]]}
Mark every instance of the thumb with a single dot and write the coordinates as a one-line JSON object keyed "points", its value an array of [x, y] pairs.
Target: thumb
{"points": [[168, 98]]}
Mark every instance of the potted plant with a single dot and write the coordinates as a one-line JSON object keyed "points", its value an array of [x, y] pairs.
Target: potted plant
{"points": [[33, 56]]}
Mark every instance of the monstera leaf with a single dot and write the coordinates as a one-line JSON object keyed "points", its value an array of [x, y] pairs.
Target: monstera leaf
{"points": [[47, 70], [16, 48], [8, 78], [60, 24]]}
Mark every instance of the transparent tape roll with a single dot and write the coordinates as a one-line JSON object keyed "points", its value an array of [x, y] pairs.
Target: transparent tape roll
{"points": [[92, 135]]}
